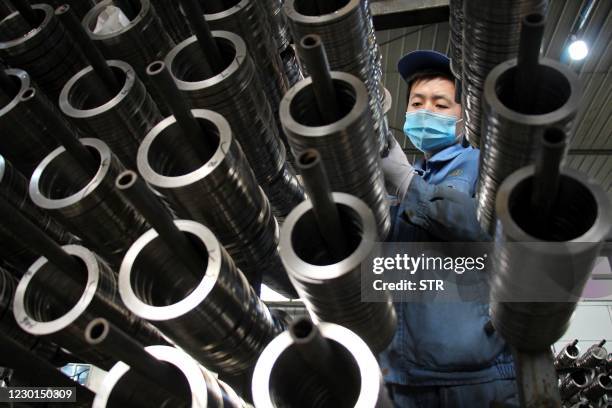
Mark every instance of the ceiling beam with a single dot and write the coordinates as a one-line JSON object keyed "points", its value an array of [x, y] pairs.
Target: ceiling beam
{"points": [[389, 14]]}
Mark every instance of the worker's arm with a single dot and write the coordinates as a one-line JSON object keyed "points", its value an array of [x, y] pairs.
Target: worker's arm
{"points": [[398, 172]]}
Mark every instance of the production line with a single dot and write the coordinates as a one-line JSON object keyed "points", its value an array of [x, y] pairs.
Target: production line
{"points": [[161, 162]]}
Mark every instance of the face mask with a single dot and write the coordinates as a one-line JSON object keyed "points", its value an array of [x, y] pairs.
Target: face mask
{"points": [[430, 131]]}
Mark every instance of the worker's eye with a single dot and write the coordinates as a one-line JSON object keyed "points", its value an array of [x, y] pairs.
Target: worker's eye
{"points": [[441, 106], [416, 104]]}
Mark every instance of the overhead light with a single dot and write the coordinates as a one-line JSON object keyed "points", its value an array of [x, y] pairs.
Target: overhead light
{"points": [[578, 50]]}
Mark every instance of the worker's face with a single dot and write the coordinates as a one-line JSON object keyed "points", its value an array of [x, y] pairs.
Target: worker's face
{"points": [[435, 95]]}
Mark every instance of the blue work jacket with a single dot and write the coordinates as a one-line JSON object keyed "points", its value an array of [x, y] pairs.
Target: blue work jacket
{"points": [[443, 344]]}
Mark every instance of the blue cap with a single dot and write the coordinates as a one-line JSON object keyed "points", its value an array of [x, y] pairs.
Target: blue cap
{"points": [[416, 61]]}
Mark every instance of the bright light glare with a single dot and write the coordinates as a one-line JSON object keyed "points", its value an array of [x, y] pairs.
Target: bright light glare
{"points": [[578, 50]]}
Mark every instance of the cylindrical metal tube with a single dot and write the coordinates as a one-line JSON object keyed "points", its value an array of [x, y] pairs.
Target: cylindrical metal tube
{"points": [[281, 377], [350, 156], [47, 52], [110, 84], [526, 82], [238, 95], [25, 140], [205, 40], [350, 43], [221, 193], [312, 53], [293, 71], [16, 256], [121, 387], [536, 280], [575, 382], [121, 121], [216, 317], [139, 43], [64, 319], [456, 39], [512, 138], [273, 9], [601, 385], [491, 34], [568, 356], [89, 206], [331, 288], [595, 356]]}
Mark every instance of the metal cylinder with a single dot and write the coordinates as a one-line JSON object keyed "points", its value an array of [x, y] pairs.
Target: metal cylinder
{"points": [[63, 320], [536, 279], [349, 154], [239, 96], [120, 122], [25, 138], [511, 138], [456, 37], [89, 206], [282, 377], [490, 36], [14, 188], [46, 52], [350, 42], [575, 382], [221, 193], [278, 23], [202, 389], [216, 316], [173, 20], [601, 385], [595, 356], [292, 70], [568, 356], [141, 42], [331, 288]]}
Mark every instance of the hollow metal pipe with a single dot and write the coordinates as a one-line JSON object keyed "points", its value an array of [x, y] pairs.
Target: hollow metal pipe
{"points": [[206, 41], [526, 80]]}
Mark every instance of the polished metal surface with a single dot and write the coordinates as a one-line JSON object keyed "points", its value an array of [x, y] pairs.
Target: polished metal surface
{"points": [[278, 22], [238, 95], [537, 279], [46, 52], [349, 153], [331, 288], [202, 389], [213, 314], [491, 33], [63, 319], [595, 356], [221, 192], [141, 42], [568, 356], [511, 137], [350, 42], [25, 139], [282, 378], [120, 122], [14, 188], [601, 385], [292, 68], [575, 382], [90, 207], [456, 37]]}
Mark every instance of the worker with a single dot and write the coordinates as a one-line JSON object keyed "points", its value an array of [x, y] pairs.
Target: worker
{"points": [[443, 354]]}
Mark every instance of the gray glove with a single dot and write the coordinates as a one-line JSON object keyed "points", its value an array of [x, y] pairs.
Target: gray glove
{"points": [[398, 172]]}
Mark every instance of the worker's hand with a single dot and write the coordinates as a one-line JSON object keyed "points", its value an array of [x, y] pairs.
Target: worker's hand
{"points": [[398, 172]]}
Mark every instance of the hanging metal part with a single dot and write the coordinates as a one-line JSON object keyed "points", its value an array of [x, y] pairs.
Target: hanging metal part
{"points": [[139, 43], [122, 387], [347, 141], [63, 319], [601, 385], [526, 77], [17, 257], [25, 140], [575, 382], [110, 83], [216, 316], [105, 336], [568, 356], [348, 34], [161, 78], [532, 310], [321, 280], [237, 94], [33, 371], [537, 380], [89, 206], [312, 54], [221, 193], [147, 204], [278, 23], [595, 356], [490, 36], [282, 378], [120, 121], [325, 209], [173, 20], [513, 136]]}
